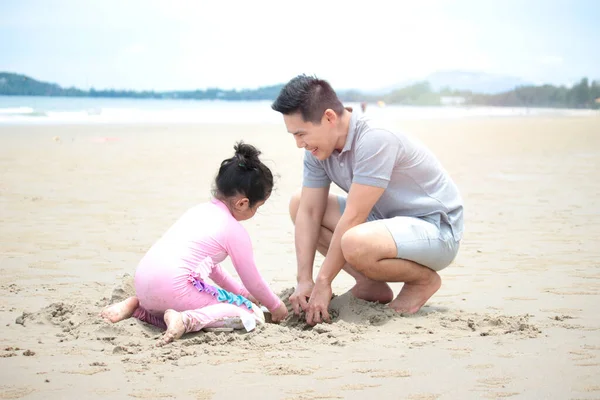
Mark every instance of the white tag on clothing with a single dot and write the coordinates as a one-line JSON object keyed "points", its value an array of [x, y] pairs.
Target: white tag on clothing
{"points": [[248, 321]]}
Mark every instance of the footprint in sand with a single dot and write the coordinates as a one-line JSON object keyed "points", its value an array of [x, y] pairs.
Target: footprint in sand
{"points": [[204, 394], [572, 292], [520, 298], [486, 384], [379, 373], [86, 371], [150, 394], [500, 395], [310, 395], [480, 366], [494, 382], [569, 311], [460, 352], [581, 355], [327, 378], [588, 359], [358, 386], [11, 392], [423, 396], [288, 370]]}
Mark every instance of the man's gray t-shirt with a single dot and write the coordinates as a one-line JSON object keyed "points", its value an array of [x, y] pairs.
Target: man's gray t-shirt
{"points": [[415, 183]]}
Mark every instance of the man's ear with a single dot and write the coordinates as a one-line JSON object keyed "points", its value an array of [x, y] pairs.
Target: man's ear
{"points": [[330, 116]]}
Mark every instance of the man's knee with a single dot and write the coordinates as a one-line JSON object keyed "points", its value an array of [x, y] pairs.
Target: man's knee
{"points": [[356, 249], [294, 205], [366, 244]]}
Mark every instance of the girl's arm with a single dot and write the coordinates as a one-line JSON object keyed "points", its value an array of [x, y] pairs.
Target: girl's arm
{"points": [[222, 278], [239, 248]]}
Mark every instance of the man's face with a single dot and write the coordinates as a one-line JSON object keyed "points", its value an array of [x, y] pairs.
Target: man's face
{"points": [[319, 139]]}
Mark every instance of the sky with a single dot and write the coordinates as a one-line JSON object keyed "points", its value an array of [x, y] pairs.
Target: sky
{"points": [[369, 44]]}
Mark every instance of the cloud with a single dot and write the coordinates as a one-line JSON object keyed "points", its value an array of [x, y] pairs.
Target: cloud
{"points": [[188, 44], [135, 48]]}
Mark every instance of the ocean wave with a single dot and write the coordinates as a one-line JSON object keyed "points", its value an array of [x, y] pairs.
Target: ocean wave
{"points": [[18, 111]]}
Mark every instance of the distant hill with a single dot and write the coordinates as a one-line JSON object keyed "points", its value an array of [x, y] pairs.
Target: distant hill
{"points": [[476, 82], [20, 85], [461, 87], [15, 84]]}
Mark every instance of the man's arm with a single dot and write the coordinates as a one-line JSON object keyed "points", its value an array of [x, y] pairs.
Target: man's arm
{"points": [[360, 202], [361, 199], [313, 202]]}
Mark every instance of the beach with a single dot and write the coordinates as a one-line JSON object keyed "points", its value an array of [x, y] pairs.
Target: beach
{"points": [[516, 316]]}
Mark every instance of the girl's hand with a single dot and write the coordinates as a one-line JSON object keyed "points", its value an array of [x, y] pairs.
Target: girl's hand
{"points": [[280, 313]]}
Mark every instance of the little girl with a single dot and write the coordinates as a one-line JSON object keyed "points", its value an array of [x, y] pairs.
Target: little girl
{"points": [[171, 279]]}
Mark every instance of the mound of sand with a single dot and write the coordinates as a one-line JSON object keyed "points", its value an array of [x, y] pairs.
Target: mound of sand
{"points": [[352, 321]]}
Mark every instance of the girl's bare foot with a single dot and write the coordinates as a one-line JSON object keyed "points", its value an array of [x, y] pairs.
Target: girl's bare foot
{"points": [[120, 311], [175, 327], [413, 296]]}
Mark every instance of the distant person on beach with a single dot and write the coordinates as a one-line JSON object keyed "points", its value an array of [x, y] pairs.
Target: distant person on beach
{"points": [[171, 280], [402, 218]]}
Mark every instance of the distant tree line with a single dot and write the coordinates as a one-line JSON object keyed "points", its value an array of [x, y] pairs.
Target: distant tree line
{"points": [[21, 85], [582, 95]]}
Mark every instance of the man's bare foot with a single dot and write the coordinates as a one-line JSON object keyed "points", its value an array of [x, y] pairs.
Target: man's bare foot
{"points": [[413, 296], [175, 327], [120, 311], [368, 290]]}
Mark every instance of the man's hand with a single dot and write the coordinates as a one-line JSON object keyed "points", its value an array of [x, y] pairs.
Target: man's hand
{"points": [[299, 298], [318, 304], [280, 313]]}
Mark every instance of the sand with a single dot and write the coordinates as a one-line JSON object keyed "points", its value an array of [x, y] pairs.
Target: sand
{"points": [[517, 315]]}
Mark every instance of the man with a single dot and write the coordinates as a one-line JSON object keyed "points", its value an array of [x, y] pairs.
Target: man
{"points": [[401, 221]]}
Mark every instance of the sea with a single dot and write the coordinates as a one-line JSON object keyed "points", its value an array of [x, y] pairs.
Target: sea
{"points": [[26, 110]]}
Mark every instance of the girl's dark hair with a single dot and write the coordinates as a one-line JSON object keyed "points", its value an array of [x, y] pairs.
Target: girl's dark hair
{"points": [[244, 174]]}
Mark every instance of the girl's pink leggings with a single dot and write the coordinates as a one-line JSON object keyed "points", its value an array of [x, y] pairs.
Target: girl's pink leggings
{"points": [[201, 304]]}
